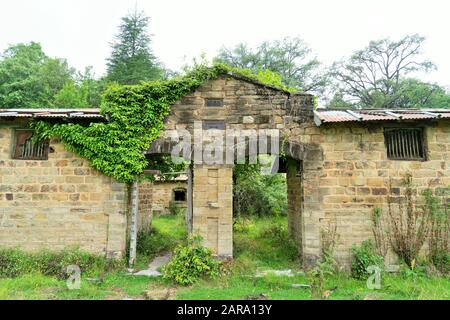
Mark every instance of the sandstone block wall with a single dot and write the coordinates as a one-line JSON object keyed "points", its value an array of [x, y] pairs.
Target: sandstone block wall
{"points": [[163, 196], [58, 203], [354, 176], [145, 200]]}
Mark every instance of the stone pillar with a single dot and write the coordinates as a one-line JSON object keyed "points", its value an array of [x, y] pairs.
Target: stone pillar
{"points": [[295, 202], [213, 207], [313, 212]]}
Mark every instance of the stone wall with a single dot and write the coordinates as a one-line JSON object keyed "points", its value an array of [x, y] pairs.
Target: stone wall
{"points": [[58, 203], [163, 196], [145, 205], [351, 177], [295, 201]]}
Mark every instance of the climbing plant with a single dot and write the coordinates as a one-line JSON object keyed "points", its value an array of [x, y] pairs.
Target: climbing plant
{"points": [[135, 119]]}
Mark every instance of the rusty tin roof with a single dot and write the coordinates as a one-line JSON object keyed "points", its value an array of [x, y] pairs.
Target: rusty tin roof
{"points": [[322, 116], [51, 113]]}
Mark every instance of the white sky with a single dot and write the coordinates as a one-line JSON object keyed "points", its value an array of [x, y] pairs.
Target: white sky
{"points": [[80, 30]]}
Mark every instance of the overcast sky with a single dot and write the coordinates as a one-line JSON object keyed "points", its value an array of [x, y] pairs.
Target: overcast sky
{"points": [[81, 30]]}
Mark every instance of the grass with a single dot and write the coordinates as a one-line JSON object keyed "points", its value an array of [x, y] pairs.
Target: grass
{"points": [[264, 243], [259, 244], [167, 232]]}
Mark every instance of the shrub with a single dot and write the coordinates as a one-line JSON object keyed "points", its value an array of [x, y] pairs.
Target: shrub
{"points": [[191, 262], [327, 265], [439, 249], [364, 256], [329, 239], [381, 242], [15, 262], [409, 222]]}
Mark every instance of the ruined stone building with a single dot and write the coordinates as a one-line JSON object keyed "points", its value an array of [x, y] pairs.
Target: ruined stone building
{"points": [[168, 194], [339, 166]]}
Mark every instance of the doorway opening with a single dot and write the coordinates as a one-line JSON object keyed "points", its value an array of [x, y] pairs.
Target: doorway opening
{"points": [[267, 206]]}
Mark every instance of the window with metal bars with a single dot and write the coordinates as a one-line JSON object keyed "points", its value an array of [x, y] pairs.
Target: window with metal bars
{"points": [[26, 149], [405, 143]]}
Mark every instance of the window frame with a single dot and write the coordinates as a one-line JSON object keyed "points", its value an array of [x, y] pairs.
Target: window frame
{"points": [[423, 146], [14, 154]]}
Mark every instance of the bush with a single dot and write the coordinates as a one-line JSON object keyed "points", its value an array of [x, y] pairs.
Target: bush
{"points": [[190, 263], [327, 266], [363, 257], [409, 221], [15, 262], [439, 248]]}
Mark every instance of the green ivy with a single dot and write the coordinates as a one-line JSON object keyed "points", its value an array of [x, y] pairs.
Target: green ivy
{"points": [[136, 118]]}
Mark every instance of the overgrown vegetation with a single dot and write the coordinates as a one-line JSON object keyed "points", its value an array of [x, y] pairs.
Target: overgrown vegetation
{"points": [[260, 195], [409, 222], [255, 249], [415, 218], [439, 249], [166, 233], [381, 242], [264, 243], [327, 266], [191, 262], [15, 263], [364, 256]]}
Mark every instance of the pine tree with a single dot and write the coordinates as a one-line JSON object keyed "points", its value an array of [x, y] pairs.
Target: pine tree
{"points": [[132, 59]]}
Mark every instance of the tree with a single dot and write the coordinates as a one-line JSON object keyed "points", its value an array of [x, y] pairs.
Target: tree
{"points": [[132, 59], [29, 78], [374, 77], [414, 93], [83, 92], [290, 58]]}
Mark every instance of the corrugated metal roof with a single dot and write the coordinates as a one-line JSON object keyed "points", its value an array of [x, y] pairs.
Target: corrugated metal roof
{"points": [[322, 116], [51, 113]]}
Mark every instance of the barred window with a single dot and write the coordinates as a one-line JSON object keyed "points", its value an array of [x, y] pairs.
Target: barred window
{"points": [[405, 143], [214, 103], [25, 149]]}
